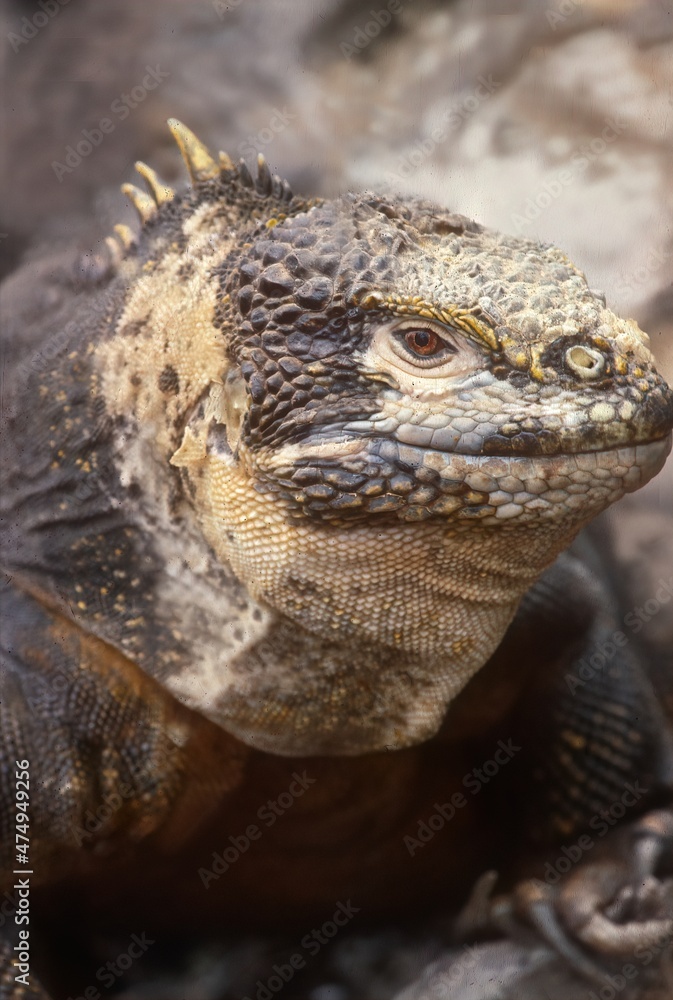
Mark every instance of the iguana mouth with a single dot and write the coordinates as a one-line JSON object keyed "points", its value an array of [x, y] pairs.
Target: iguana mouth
{"points": [[327, 442], [362, 476]]}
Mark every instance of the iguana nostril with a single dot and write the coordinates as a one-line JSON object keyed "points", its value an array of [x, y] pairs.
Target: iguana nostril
{"points": [[585, 361]]}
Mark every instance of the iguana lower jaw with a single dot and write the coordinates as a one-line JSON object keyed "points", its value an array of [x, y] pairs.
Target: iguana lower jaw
{"points": [[413, 483], [304, 526]]}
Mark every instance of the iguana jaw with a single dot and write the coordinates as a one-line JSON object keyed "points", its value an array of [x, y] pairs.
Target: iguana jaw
{"points": [[422, 483], [388, 625], [477, 511]]}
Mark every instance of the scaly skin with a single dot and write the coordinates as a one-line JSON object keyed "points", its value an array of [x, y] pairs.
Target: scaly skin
{"points": [[294, 465]]}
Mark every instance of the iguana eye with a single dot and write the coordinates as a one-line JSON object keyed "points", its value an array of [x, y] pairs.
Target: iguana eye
{"points": [[422, 346], [422, 351], [423, 342]]}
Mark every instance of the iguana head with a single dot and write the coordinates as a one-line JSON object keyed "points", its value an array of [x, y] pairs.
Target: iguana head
{"points": [[395, 361], [388, 420]]}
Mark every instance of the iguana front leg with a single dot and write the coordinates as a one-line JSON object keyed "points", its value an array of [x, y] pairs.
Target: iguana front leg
{"points": [[617, 907], [598, 795], [123, 763]]}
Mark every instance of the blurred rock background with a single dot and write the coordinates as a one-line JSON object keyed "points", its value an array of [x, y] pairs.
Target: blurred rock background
{"points": [[552, 118]]}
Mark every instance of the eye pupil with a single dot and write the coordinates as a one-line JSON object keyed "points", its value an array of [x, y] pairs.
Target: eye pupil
{"points": [[423, 342]]}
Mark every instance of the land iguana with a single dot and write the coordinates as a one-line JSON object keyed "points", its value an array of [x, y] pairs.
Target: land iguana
{"points": [[286, 492]]}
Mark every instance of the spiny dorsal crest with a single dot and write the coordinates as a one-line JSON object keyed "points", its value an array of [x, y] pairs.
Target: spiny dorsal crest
{"points": [[202, 168]]}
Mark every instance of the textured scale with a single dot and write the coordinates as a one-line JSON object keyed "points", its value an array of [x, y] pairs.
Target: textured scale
{"points": [[241, 457], [287, 478]]}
